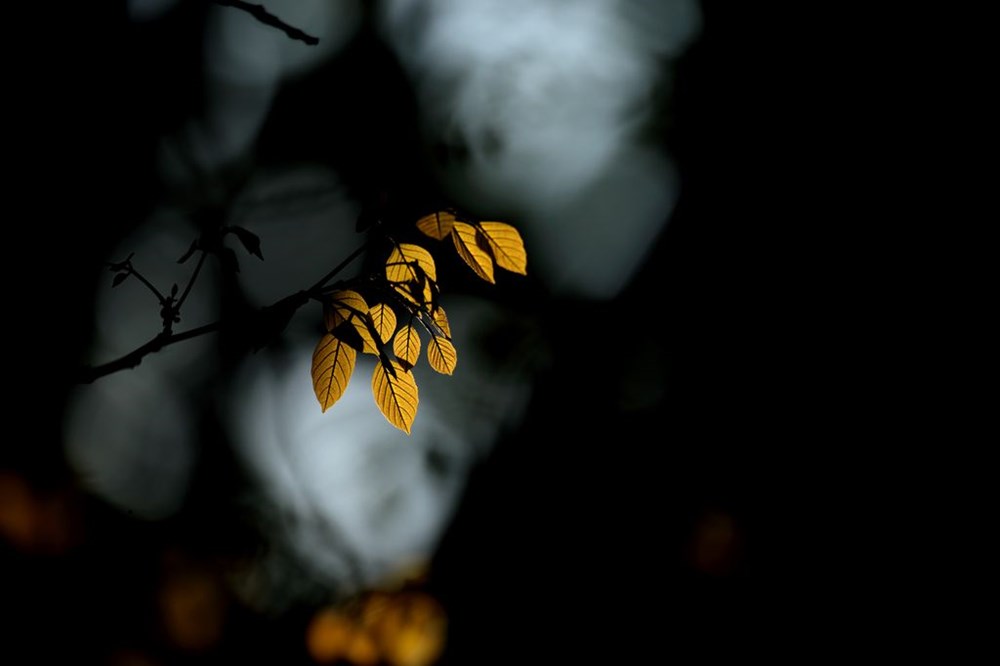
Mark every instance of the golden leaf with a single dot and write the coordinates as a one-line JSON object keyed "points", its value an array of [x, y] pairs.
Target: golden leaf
{"points": [[478, 259], [350, 306], [368, 340], [396, 396], [332, 365], [441, 355], [507, 247], [402, 262], [343, 304], [436, 225], [406, 290], [441, 319], [406, 346], [384, 320]]}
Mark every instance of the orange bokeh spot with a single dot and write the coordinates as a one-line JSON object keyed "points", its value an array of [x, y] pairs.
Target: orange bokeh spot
{"points": [[329, 636], [411, 630], [40, 523], [400, 629], [192, 606], [17, 511]]}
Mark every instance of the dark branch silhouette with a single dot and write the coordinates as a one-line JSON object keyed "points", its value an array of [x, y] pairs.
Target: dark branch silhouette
{"points": [[267, 18], [258, 330], [88, 374]]}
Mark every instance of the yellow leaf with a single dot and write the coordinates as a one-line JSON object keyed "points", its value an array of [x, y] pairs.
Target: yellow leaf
{"points": [[343, 304], [332, 365], [384, 320], [406, 290], [441, 319], [397, 396], [406, 346], [363, 327], [350, 306], [506, 245], [441, 355], [367, 339], [476, 257], [436, 225], [400, 266]]}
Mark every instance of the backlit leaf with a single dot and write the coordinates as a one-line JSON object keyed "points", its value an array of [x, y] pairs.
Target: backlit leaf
{"points": [[441, 319], [332, 365], [384, 320], [478, 259], [441, 355], [344, 303], [363, 325], [507, 247], [403, 260], [419, 293], [350, 306], [406, 346], [436, 225], [396, 396]]}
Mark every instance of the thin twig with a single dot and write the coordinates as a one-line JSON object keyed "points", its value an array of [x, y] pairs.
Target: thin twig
{"points": [[89, 374], [267, 18], [341, 266], [187, 288], [149, 285]]}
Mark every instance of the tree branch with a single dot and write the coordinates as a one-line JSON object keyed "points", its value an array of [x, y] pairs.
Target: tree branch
{"points": [[267, 18], [89, 374], [318, 286], [280, 312]]}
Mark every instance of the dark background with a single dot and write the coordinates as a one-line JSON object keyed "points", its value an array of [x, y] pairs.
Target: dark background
{"points": [[584, 534]]}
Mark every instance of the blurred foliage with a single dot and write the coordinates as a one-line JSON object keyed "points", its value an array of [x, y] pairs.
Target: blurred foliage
{"points": [[398, 628]]}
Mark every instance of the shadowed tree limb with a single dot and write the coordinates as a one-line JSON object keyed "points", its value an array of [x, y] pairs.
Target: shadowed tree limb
{"points": [[267, 18], [89, 374], [266, 322]]}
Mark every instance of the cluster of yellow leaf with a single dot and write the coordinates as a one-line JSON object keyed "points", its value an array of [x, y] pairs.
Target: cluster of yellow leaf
{"points": [[479, 244], [401, 629], [411, 280]]}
